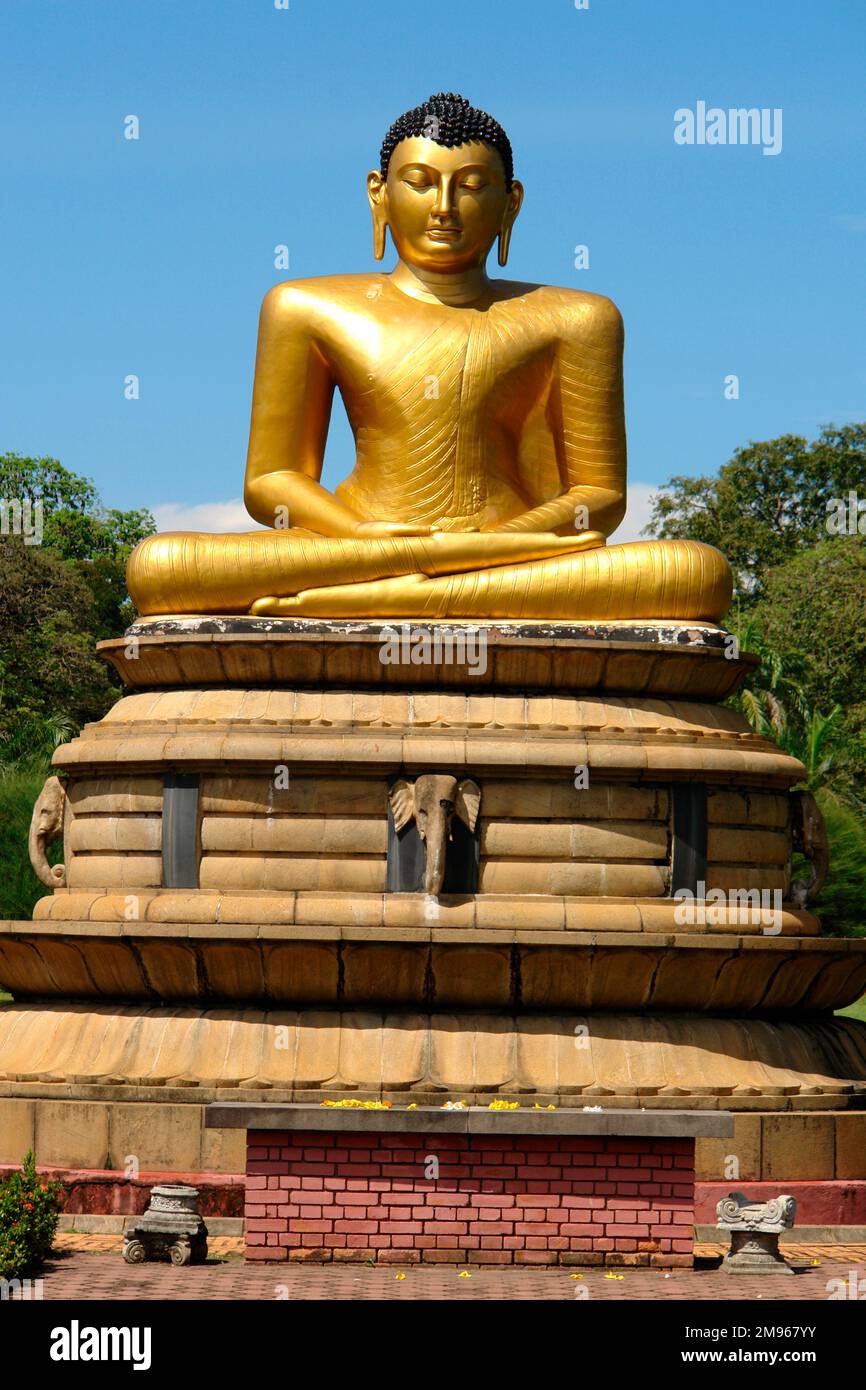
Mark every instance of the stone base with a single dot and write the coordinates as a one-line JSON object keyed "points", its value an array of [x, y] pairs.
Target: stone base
{"points": [[229, 925], [104, 1050], [140, 1245], [755, 1252], [400, 951], [672, 659]]}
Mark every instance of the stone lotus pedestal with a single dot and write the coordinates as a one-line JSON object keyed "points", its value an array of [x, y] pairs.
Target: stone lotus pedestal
{"points": [[239, 918]]}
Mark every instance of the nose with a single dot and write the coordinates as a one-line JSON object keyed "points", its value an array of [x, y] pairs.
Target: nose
{"points": [[444, 204]]}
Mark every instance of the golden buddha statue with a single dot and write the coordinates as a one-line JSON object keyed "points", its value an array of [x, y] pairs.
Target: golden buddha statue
{"points": [[488, 425]]}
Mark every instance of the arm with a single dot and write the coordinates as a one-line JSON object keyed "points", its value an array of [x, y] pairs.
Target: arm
{"points": [[586, 418], [292, 396]]}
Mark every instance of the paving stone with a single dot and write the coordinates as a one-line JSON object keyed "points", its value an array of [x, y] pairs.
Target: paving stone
{"points": [[91, 1267]]}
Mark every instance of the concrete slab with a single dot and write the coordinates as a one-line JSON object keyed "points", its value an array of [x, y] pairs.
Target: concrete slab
{"points": [[638, 1124]]}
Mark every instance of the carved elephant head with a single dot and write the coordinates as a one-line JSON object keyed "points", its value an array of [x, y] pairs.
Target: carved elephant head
{"points": [[46, 825], [433, 801], [810, 838]]}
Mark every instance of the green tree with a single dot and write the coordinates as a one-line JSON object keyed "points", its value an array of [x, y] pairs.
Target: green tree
{"points": [[772, 500], [831, 748], [47, 663], [841, 903], [60, 597], [809, 629], [77, 529], [813, 609]]}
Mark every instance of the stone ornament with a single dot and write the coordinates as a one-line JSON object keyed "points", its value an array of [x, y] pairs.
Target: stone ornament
{"points": [[755, 1228], [433, 801], [46, 826], [171, 1226]]}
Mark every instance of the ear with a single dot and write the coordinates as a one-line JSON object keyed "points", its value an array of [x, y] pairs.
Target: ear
{"points": [[468, 802], [377, 198], [515, 202], [402, 799]]}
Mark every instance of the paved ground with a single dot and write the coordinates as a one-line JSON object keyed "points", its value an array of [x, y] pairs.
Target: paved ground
{"points": [[95, 1270]]}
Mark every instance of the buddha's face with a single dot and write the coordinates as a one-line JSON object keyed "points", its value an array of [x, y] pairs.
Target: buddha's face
{"points": [[445, 207]]}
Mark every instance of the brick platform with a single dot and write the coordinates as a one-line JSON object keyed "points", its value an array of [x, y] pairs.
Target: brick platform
{"points": [[509, 1199]]}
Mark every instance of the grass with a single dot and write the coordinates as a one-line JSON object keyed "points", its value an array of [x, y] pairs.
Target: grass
{"points": [[857, 1010]]}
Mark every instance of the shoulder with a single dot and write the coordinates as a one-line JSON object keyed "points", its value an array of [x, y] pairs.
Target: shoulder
{"points": [[316, 294], [593, 314], [571, 313]]}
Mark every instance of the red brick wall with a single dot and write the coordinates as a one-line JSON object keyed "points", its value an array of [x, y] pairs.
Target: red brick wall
{"points": [[508, 1200]]}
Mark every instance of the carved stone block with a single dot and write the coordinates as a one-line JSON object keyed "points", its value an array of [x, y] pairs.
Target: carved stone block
{"points": [[755, 1228], [170, 1228]]}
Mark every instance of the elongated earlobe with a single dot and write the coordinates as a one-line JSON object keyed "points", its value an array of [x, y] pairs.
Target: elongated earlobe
{"points": [[380, 227], [378, 200], [515, 203]]}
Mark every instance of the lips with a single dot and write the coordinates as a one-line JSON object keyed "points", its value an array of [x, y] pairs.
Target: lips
{"points": [[444, 233]]}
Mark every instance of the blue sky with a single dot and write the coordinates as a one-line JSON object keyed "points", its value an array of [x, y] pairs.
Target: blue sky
{"points": [[258, 126]]}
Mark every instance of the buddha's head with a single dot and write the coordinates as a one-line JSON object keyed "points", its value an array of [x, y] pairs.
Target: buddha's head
{"points": [[445, 187]]}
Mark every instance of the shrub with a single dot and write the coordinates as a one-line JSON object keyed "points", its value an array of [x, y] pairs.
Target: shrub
{"points": [[841, 903], [29, 1211]]}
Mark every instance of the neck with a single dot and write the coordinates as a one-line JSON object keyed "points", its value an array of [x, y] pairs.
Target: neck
{"points": [[442, 286]]}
